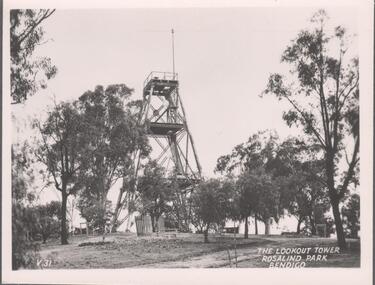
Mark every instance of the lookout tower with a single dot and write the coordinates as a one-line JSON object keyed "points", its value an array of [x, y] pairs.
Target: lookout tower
{"points": [[172, 143], [165, 118]]}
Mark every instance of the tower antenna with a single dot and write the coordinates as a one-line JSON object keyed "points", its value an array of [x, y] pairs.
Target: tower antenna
{"points": [[173, 53]]}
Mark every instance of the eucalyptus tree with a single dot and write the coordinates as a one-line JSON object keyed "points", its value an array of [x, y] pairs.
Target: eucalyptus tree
{"points": [[113, 135], [323, 92], [63, 150]]}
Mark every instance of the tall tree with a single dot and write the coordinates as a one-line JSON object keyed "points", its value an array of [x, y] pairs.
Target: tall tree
{"points": [[113, 136], [63, 150], [324, 96], [28, 74], [126, 198]]}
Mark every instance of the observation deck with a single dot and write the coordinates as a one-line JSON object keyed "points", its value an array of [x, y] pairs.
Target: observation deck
{"points": [[161, 83], [165, 129]]}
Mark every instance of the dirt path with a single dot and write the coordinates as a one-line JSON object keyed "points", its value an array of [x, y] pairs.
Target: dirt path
{"points": [[248, 255], [211, 260]]}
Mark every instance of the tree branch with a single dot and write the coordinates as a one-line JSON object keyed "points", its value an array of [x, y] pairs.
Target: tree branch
{"points": [[307, 122], [336, 116], [350, 172], [52, 171], [33, 26], [349, 92]]}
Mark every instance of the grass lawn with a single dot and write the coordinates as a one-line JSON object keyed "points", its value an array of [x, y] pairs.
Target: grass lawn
{"points": [[184, 251]]}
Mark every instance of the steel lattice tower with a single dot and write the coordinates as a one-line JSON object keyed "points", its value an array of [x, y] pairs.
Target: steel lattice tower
{"points": [[165, 118], [173, 147]]}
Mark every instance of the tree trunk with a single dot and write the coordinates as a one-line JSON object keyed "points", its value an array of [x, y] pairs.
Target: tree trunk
{"points": [[312, 223], [178, 218], [338, 223], [116, 212], [101, 218], [157, 223], [114, 227], [299, 225], [104, 233], [246, 227], [256, 225], [152, 223], [206, 235], [64, 234], [130, 198], [267, 226], [334, 199]]}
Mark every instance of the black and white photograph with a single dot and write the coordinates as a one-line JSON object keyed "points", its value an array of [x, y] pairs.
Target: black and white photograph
{"points": [[187, 137]]}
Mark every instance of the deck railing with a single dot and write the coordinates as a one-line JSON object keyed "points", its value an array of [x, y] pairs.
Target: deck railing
{"points": [[160, 75]]}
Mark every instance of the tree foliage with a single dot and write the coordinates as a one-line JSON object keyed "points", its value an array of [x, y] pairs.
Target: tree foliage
{"points": [[258, 194], [155, 192], [88, 145], [96, 214], [211, 203], [299, 169], [276, 178], [113, 136], [49, 219], [28, 74], [351, 216], [22, 174], [24, 250], [254, 153], [44, 220]]}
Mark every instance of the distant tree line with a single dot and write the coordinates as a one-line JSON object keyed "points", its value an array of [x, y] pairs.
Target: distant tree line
{"points": [[267, 179]]}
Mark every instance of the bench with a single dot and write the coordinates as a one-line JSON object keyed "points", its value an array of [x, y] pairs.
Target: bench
{"points": [[231, 230]]}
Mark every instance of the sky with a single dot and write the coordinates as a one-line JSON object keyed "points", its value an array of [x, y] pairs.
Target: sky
{"points": [[223, 57]]}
